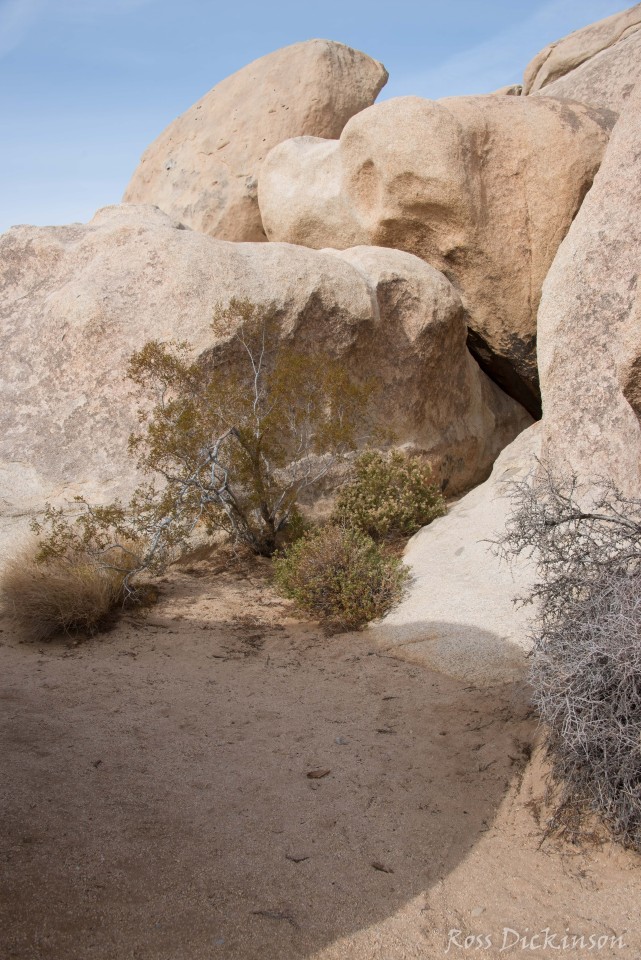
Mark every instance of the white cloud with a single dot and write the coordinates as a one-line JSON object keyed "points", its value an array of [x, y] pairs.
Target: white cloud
{"points": [[501, 59]]}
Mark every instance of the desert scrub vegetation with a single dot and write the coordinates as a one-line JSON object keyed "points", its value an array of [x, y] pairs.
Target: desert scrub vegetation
{"points": [[586, 662], [340, 576], [390, 496], [68, 593], [235, 436], [340, 573], [227, 442]]}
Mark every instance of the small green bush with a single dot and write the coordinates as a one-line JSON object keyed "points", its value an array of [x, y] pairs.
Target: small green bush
{"points": [[340, 576], [390, 496]]}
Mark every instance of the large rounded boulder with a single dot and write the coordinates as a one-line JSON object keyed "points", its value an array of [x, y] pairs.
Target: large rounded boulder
{"points": [[459, 615], [599, 64], [202, 170], [606, 80], [77, 301], [482, 188], [590, 324]]}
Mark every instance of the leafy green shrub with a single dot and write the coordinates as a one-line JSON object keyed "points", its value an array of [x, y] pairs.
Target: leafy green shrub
{"points": [[69, 593], [339, 575], [390, 496]]}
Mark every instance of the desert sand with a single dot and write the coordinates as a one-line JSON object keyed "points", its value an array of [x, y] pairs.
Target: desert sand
{"points": [[157, 803]]}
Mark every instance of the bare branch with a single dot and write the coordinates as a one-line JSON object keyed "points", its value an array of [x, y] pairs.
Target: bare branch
{"points": [[586, 663]]}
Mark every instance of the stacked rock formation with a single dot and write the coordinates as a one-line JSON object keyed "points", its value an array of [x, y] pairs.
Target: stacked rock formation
{"points": [[78, 301], [478, 256], [203, 169], [482, 188]]}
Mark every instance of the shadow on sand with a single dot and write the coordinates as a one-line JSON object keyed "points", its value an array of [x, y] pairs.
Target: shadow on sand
{"points": [[156, 801]]}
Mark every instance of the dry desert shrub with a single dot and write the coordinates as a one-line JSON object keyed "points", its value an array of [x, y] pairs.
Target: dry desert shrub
{"points": [[391, 496], [587, 686], [70, 594], [341, 576], [586, 661]]}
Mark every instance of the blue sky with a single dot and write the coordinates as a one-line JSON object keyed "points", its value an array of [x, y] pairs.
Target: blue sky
{"points": [[85, 85]]}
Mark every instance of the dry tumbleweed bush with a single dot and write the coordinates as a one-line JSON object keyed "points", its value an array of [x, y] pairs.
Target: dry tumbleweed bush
{"points": [[586, 662], [586, 678]]}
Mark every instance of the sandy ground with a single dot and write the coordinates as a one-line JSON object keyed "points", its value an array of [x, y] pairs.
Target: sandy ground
{"points": [[157, 803]]}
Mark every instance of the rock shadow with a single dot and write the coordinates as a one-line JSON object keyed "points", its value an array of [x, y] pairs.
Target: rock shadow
{"points": [[156, 797]]}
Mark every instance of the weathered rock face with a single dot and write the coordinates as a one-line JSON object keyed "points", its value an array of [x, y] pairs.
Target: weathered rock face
{"points": [[459, 615], [605, 80], [419, 338], [482, 188], [561, 58], [76, 301], [202, 169], [511, 90], [590, 323], [599, 65]]}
